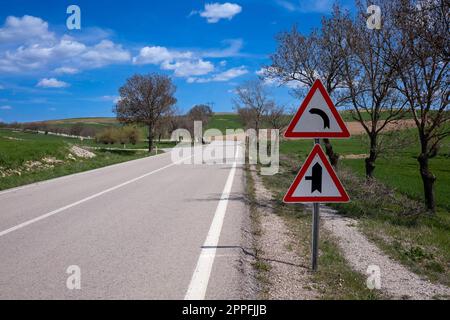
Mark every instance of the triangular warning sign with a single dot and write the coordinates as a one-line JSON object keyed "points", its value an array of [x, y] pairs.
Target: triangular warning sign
{"points": [[317, 117], [316, 181]]}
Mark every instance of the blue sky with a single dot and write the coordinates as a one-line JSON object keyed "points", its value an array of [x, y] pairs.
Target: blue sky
{"points": [[208, 48]]}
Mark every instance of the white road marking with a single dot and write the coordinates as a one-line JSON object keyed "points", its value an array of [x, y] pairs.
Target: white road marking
{"points": [[49, 214], [200, 278]]}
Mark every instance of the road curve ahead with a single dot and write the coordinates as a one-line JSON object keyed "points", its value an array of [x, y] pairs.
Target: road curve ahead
{"points": [[145, 229]]}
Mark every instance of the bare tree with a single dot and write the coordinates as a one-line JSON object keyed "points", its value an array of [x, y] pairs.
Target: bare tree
{"points": [[246, 115], [304, 59], [253, 103], [276, 117], [200, 112], [146, 99], [422, 60], [370, 77], [76, 129]]}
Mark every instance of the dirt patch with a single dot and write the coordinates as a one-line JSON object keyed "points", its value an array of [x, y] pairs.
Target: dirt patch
{"points": [[81, 153], [45, 163], [355, 127], [31, 166], [51, 160], [4, 172], [13, 138], [288, 277], [354, 156]]}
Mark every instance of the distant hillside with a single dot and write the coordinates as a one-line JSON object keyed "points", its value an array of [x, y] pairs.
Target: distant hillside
{"points": [[93, 120]]}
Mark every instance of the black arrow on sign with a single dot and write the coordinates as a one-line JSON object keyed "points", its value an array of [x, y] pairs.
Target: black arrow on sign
{"points": [[316, 178], [323, 115]]}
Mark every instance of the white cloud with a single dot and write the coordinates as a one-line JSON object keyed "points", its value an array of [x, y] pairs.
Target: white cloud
{"points": [[25, 29], [182, 63], [66, 70], [188, 63], [232, 50], [189, 68], [306, 6], [104, 53], [26, 45], [114, 99], [5, 108], [51, 83], [213, 12], [222, 76], [230, 74], [158, 55]]}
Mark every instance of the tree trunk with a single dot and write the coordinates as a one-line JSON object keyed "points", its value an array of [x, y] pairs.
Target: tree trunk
{"points": [[150, 138], [257, 135], [332, 156], [370, 161], [428, 180]]}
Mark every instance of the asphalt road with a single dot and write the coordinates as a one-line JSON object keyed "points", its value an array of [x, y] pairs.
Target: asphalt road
{"points": [[145, 229]]}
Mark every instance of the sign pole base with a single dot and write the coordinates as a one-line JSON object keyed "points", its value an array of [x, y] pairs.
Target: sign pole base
{"points": [[315, 231]]}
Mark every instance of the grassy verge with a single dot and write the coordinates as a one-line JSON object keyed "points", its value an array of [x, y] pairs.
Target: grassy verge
{"points": [[103, 159], [261, 267], [335, 279], [29, 141], [26, 158], [399, 226], [390, 211]]}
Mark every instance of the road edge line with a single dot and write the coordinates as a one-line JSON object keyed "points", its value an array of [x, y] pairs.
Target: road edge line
{"points": [[96, 195], [200, 278]]}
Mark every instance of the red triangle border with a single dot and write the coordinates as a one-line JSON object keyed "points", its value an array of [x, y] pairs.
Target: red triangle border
{"points": [[289, 133], [317, 150]]}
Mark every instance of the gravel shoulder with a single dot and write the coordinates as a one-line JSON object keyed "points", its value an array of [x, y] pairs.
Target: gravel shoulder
{"points": [[287, 273], [397, 281]]}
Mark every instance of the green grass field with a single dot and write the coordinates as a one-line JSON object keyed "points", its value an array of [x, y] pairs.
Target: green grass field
{"points": [[225, 121], [395, 218], [349, 115], [398, 169], [18, 149], [221, 121], [96, 124]]}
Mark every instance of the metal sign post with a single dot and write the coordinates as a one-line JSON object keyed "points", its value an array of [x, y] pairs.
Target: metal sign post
{"points": [[315, 230], [316, 182]]}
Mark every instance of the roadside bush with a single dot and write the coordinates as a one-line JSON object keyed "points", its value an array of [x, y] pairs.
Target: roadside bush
{"points": [[76, 129], [121, 136], [32, 126], [118, 135], [132, 134], [107, 136], [88, 132]]}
